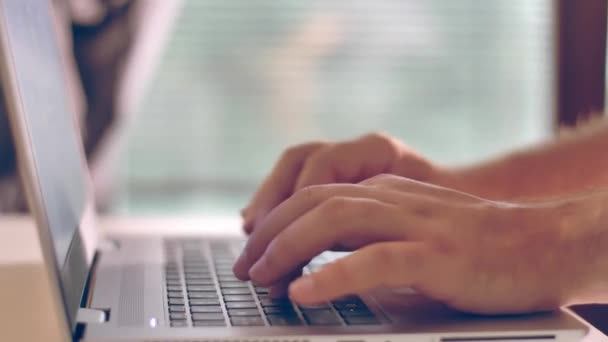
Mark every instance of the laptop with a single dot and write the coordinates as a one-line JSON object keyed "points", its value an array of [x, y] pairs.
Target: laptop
{"points": [[150, 288]]}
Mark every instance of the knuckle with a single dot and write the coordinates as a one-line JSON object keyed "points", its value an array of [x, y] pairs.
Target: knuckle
{"points": [[295, 152], [336, 208], [322, 156], [379, 180], [309, 193], [290, 152], [383, 142], [383, 255], [377, 137]]}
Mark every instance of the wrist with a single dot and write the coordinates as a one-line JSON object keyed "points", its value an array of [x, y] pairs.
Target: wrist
{"points": [[583, 225]]}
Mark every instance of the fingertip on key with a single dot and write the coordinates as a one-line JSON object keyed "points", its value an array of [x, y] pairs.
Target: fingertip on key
{"points": [[240, 268], [302, 290], [256, 271]]}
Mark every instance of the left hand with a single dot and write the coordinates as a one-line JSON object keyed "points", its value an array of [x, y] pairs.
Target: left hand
{"points": [[472, 254]]}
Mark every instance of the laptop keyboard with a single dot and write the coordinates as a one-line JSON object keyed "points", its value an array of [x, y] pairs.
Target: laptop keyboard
{"points": [[202, 291]]}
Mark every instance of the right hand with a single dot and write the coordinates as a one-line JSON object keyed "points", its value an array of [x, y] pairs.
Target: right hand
{"points": [[319, 163], [470, 253]]}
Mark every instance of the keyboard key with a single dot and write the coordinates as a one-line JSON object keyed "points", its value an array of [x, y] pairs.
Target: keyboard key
{"points": [[283, 310], [349, 300], [202, 288], [214, 323], [223, 263], [205, 309], [225, 267], [361, 320], [179, 323], [228, 278], [174, 288], [193, 254], [199, 261], [241, 291], [207, 316], [233, 284], [195, 267], [243, 312], [175, 294], [275, 302], [321, 317], [177, 308], [192, 276], [355, 312], [223, 258], [225, 272], [174, 282], [204, 301], [196, 270], [196, 262], [247, 321], [313, 307], [202, 281], [177, 316], [173, 277], [261, 290], [206, 295], [350, 305], [238, 298], [241, 305], [177, 301], [279, 320]]}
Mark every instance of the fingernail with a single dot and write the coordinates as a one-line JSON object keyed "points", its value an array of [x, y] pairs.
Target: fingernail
{"points": [[247, 227], [239, 264], [248, 222], [257, 269], [301, 287]]}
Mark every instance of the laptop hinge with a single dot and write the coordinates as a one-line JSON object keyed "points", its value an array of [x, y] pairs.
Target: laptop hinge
{"points": [[89, 316]]}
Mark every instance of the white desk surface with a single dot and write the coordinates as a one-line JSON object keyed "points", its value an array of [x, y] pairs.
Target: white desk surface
{"points": [[24, 295]]}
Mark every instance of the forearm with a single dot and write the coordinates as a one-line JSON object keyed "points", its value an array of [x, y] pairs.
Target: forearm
{"points": [[583, 224], [576, 162]]}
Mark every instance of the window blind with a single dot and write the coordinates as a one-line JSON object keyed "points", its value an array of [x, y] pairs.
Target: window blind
{"points": [[241, 80]]}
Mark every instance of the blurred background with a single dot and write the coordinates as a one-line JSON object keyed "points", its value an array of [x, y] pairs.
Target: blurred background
{"points": [[238, 81]]}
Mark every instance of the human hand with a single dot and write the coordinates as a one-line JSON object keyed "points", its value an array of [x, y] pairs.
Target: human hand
{"points": [[472, 254], [344, 162]]}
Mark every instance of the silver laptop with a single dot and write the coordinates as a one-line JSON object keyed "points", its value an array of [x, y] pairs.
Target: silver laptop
{"points": [[182, 289]]}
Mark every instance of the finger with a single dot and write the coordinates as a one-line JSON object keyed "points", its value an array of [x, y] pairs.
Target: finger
{"points": [[389, 264], [279, 288], [317, 169], [398, 183], [279, 184], [300, 203], [344, 221], [350, 161]]}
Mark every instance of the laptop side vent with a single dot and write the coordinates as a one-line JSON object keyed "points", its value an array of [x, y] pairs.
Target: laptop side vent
{"points": [[230, 340], [538, 338], [131, 304]]}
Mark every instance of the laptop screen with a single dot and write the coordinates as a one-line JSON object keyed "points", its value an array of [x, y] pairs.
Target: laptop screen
{"points": [[37, 99]]}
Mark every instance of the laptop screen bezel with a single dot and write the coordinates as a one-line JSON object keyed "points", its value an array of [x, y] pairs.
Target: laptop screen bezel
{"points": [[70, 277]]}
